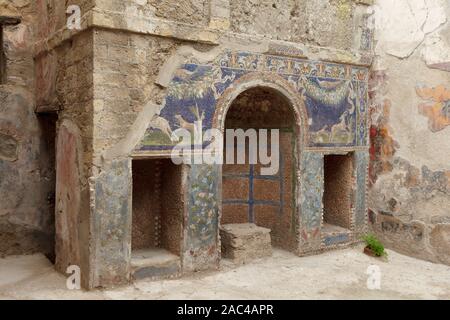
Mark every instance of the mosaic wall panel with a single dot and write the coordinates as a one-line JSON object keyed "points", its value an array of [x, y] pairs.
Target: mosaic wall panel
{"points": [[201, 231], [311, 205], [362, 163], [335, 97], [112, 224]]}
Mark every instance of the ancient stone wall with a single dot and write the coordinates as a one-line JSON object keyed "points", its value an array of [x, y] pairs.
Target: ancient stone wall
{"points": [[64, 87], [325, 23], [108, 81], [27, 175], [138, 50], [125, 69], [410, 134]]}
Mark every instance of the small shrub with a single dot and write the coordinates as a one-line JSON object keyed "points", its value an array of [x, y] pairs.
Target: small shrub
{"points": [[375, 245]]}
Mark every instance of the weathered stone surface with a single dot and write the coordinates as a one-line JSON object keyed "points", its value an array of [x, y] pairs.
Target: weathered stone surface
{"points": [[406, 237], [245, 242], [326, 23], [9, 14], [17, 239], [410, 190], [440, 241], [8, 147], [27, 175], [68, 196]]}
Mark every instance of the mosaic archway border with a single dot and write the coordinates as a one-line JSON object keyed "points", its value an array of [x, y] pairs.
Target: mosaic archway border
{"points": [[334, 97], [270, 81], [282, 87]]}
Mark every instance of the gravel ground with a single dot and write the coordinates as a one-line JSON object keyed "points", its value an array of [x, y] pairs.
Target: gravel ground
{"points": [[333, 275]]}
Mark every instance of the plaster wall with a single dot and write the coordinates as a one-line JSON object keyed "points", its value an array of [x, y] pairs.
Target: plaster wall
{"points": [[410, 170]]}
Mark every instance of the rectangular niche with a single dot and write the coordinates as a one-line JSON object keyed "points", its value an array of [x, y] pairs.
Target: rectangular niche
{"points": [[157, 207], [337, 198]]}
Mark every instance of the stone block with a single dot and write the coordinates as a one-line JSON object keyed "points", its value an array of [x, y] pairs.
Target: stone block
{"points": [[245, 242], [440, 241]]}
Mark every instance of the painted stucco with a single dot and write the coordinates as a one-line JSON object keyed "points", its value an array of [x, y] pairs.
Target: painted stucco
{"points": [[409, 193]]}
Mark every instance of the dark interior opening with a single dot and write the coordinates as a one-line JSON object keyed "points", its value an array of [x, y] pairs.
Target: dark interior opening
{"points": [[157, 206], [47, 123], [338, 175]]}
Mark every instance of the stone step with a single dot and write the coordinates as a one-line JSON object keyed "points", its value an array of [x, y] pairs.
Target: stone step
{"points": [[154, 264], [245, 242]]}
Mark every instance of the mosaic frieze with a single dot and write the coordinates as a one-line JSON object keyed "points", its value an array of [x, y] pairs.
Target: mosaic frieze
{"points": [[335, 97]]}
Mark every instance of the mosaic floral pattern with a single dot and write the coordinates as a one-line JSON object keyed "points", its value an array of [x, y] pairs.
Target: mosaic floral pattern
{"points": [[203, 205], [312, 190]]}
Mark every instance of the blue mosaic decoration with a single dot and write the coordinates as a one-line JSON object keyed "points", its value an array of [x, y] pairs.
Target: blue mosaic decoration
{"points": [[335, 97], [336, 239], [362, 164], [311, 190], [203, 206]]}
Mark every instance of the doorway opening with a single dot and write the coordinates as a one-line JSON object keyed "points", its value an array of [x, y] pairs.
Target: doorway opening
{"points": [[338, 180]]}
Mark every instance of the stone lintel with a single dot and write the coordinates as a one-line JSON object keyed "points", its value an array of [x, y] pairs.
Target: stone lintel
{"points": [[96, 18]]}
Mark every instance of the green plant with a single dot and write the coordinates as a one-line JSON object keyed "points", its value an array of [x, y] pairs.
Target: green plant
{"points": [[375, 245]]}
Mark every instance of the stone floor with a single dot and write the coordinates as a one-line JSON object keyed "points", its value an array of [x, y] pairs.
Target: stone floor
{"points": [[338, 274]]}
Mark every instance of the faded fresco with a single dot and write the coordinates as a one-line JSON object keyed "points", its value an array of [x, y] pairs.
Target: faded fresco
{"points": [[437, 106], [335, 97]]}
